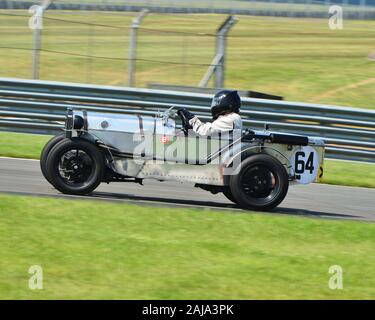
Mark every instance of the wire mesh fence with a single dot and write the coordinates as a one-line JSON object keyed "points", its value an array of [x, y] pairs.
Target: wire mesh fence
{"points": [[301, 60], [176, 55], [87, 51], [91, 52]]}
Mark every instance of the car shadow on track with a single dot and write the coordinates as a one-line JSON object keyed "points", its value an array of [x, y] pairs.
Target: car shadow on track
{"points": [[121, 197], [311, 213], [161, 200], [216, 205]]}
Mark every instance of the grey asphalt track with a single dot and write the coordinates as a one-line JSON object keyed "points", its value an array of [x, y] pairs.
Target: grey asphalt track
{"points": [[18, 176]]}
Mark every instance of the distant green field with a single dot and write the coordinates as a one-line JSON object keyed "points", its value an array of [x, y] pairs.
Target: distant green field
{"points": [[98, 250], [335, 172], [299, 59]]}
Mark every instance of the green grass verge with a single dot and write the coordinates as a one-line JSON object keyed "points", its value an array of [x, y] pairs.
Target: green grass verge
{"points": [[102, 250], [335, 172], [299, 59], [20, 145], [349, 173]]}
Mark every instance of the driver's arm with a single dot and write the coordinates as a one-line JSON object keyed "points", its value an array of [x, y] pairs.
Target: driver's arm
{"points": [[211, 128]]}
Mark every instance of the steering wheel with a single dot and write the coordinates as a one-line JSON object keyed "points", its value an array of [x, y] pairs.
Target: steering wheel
{"points": [[185, 122]]}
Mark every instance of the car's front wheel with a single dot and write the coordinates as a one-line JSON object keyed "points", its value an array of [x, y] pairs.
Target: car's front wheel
{"points": [[44, 154], [261, 183], [75, 166]]}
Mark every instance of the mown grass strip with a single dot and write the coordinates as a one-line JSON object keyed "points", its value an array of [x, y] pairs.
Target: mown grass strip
{"points": [[100, 250]]}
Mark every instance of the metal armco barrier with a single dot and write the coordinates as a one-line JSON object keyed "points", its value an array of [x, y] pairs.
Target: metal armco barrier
{"points": [[39, 107]]}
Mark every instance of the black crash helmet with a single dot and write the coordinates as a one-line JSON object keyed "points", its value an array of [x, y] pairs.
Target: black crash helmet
{"points": [[225, 101]]}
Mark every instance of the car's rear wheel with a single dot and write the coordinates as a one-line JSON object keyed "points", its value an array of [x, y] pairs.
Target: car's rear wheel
{"points": [[75, 166], [261, 183], [44, 154], [228, 194]]}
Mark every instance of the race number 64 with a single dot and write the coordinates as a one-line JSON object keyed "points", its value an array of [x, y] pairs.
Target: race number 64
{"points": [[301, 164], [305, 163]]}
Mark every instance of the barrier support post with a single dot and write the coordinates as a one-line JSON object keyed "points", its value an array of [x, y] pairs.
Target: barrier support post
{"points": [[37, 25], [217, 67], [132, 55]]}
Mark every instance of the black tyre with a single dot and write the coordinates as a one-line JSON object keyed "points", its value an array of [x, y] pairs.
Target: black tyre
{"points": [[228, 194], [44, 154], [75, 166], [261, 183]]}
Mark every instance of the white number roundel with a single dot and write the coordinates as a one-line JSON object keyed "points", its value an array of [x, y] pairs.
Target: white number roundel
{"points": [[305, 164]]}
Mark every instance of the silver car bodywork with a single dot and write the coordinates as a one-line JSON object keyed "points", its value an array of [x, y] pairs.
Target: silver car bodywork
{"points": [[147, 147]]}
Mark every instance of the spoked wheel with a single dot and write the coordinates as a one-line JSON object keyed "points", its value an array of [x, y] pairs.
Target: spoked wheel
{"points": [[75, 166], [258, 182], [261, 184]]}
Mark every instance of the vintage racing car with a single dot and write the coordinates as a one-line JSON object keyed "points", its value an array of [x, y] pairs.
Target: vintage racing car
{"points": [[251, 168]]}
